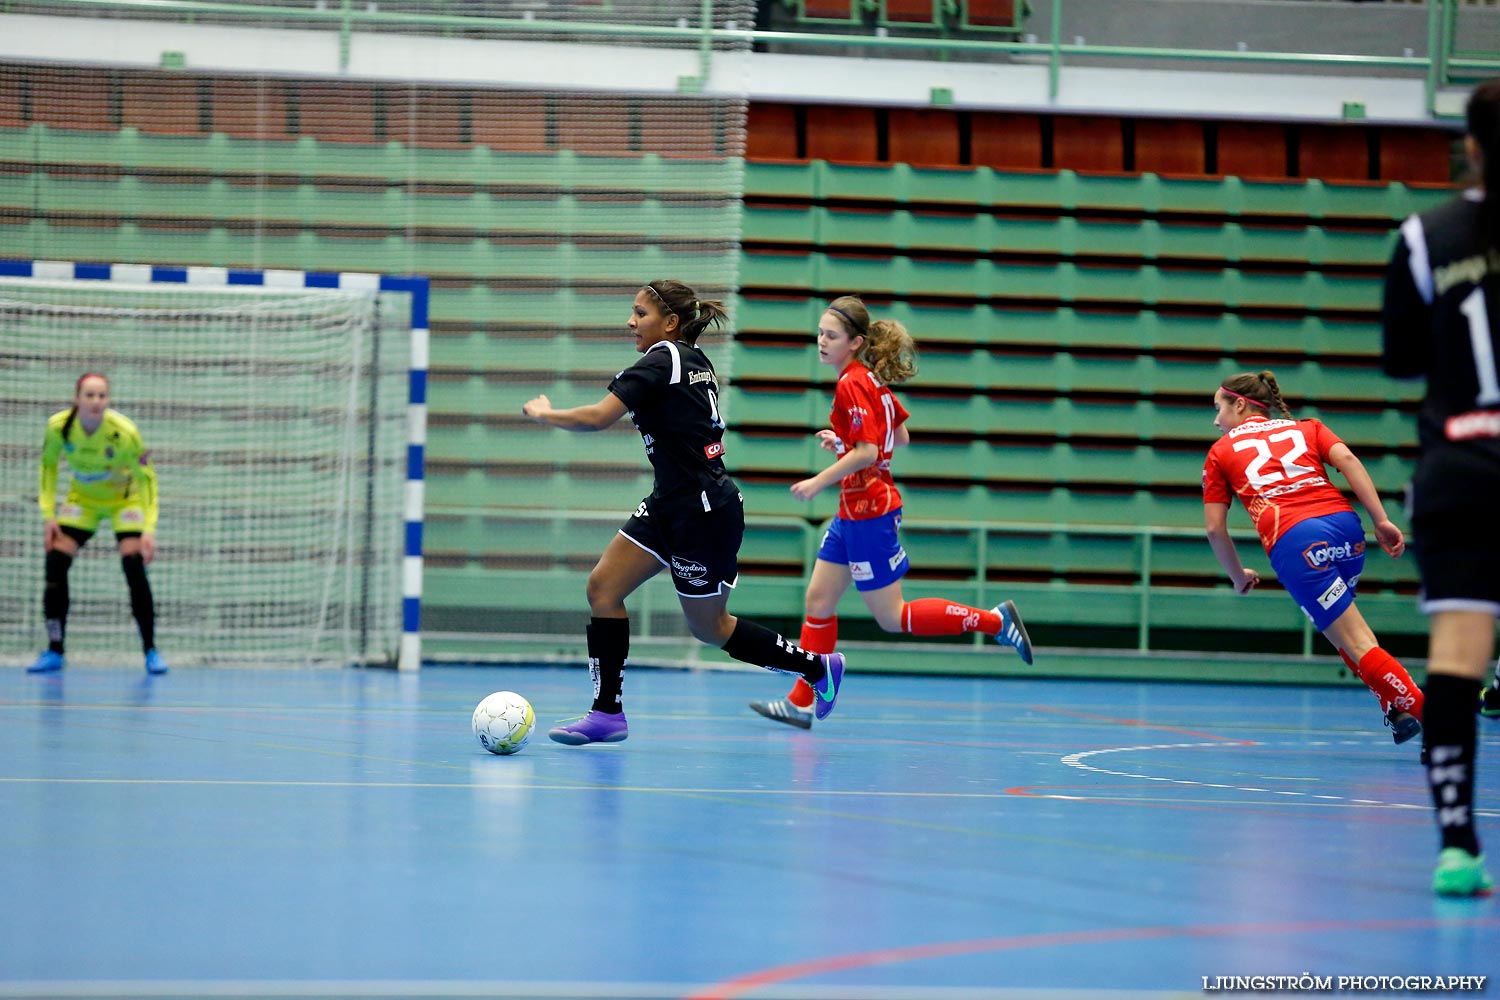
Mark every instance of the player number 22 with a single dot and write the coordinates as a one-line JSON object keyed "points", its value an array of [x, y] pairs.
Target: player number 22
{"points": [[1287, 460]]}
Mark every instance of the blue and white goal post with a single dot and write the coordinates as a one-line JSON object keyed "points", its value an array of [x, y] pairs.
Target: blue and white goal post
{"points": [[286, 417]]}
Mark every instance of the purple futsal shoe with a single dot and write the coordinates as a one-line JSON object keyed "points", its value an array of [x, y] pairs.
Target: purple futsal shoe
{"points": [[596, 727], [826, 691]]}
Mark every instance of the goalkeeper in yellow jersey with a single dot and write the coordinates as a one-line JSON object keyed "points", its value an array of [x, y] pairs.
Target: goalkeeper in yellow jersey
{"points": [[112, 479]]}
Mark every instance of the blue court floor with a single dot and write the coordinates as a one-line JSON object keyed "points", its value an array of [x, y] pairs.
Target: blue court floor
{"points": [[340, 833]]}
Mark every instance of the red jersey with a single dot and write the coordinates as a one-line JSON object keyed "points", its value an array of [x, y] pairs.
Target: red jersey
{"points": [[865, 409], [1276, 468]]}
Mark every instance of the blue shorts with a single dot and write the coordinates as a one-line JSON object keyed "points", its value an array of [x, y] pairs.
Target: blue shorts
{"points": [[871, 550], [1319, 561]]}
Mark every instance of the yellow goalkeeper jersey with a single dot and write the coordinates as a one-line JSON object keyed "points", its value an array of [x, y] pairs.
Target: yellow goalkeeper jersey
{"points": [[110, 467]]}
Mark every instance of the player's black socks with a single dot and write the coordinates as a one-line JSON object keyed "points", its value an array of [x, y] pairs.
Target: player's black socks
{"points": [[1448, 735], [55, 598], [752, 643], [609, 646], [141, 603]]}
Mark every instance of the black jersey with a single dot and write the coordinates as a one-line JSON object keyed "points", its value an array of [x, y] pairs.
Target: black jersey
{"points": [[673, 397], [1441, 320]]}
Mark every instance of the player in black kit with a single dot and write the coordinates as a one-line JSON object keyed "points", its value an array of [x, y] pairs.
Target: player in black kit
{"points": [[1441, 317], [692, 522]]}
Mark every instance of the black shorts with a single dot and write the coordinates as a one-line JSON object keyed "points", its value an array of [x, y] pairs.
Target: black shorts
{"points": [[1457, 553], [82, 537], [700, 547]]}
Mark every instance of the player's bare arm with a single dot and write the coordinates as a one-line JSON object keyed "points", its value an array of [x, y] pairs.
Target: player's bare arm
{"points": [[593, 417], [1216, 520], [1390, 537], [863, 455]]}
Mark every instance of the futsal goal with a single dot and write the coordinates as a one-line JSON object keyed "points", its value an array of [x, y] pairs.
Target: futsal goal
{"points": [[284, 412]]}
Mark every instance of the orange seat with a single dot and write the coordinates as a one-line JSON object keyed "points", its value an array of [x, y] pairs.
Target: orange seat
{"points": [[923, 137]]}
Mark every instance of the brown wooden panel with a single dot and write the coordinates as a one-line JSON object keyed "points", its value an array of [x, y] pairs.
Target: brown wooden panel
{"points": [[923, 138], [250, 109], [1252, 149], [771, 132], [1005, 141], [842, 10], [690, 130], [10, 99], [1088, 144], [1417, 155], [597, 124], [514, 121], [429, 117], [1334, 153], [336, 112], [909, 11], [72, 98], [842, 134], [992, 13], [1163, 146], [162, 104]]}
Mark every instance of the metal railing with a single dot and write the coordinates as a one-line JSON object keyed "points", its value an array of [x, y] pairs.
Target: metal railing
{"points": [[1145, 591], [1443, 65]]}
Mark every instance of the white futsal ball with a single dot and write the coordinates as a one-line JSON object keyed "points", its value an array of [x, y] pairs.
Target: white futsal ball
{"points": [[503, 722]]}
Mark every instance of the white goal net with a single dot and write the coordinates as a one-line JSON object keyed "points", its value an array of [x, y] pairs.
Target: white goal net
{"points": [[275, 418]]}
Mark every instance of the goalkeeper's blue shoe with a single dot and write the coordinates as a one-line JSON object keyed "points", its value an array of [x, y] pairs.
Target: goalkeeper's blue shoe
{"points": [[826, 691], [1013, 631], [48, 663], [154, 663]]}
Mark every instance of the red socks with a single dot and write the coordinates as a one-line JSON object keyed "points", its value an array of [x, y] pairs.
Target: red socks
{"points": [[1383, 674], [932, 616], [819, 635], [926, 616]]}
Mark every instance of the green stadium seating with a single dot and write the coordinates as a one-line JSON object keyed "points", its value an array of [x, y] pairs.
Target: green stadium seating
{"points": [[1065, 192], [1072, 326]]}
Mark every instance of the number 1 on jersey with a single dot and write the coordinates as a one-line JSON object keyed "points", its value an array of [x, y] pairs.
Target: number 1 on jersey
{"points": [[1474, 310]]}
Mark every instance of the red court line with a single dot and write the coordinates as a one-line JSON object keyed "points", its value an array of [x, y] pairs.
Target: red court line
{"points": [[740, 985]]}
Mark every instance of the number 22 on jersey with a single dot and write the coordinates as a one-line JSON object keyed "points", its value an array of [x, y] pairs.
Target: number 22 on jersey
{"points": [[1270, 466]]}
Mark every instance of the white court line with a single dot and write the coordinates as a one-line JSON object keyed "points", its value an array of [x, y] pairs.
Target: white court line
{"points": [[1077, 760], [517, 785]]}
